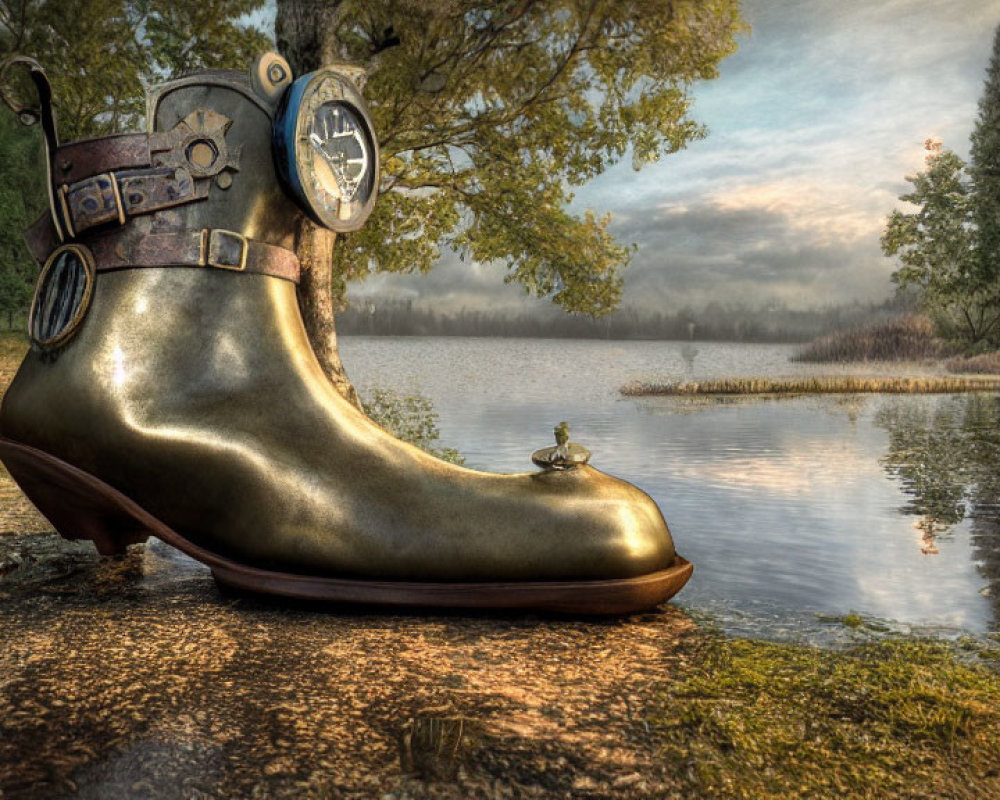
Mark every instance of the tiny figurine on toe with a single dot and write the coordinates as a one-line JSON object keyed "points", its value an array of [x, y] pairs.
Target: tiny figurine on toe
{"points": [[564, 455]]}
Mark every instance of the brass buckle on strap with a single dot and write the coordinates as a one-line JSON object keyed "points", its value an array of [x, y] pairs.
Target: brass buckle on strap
{"points": [[223, 249]]}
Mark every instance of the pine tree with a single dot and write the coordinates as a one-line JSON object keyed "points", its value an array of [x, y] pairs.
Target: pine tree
{"points": [[985, 171]]}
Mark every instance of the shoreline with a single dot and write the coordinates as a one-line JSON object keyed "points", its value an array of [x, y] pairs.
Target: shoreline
{"points": [[816, 385]]}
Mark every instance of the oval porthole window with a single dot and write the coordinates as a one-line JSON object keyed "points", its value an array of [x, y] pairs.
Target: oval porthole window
{"points": [[62, 296]]}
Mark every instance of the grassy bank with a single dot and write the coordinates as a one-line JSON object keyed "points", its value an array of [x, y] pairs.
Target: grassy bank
{"points": [[905, 718], [834, 384], [905, 338]]}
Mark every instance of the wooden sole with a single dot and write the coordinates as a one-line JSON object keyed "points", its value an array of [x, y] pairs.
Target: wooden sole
{"points": [[81, 506]]}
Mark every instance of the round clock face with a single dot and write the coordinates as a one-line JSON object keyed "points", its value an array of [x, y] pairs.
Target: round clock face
{"points": [[339, 138], [327, 155]]}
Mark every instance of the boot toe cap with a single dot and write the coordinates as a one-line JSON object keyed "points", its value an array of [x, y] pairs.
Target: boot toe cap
{"points": [[610, 528]]}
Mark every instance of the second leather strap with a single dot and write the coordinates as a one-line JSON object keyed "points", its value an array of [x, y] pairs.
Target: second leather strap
{"points": [[215, 248]]}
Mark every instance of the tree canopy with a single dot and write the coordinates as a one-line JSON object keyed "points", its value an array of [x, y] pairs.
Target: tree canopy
{"points": [[950, 247], [489, 113], [101, 54]]}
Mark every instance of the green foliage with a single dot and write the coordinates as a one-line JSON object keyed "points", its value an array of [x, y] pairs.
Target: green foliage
{"points": [[950, 249], [100, 54], [186, 35], [22, 196], [411, 418], [938, 247], [488, 114]]}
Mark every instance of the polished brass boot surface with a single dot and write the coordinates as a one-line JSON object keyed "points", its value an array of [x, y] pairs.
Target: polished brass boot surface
{"points": [[188, 404]]}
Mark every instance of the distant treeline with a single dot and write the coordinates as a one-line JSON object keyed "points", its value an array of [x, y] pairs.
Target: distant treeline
{"points": [[716, 322]]}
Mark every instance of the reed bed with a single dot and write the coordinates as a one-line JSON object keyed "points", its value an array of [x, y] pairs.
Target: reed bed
{"points": [[984, 364], [905, 338], [834, 384]]}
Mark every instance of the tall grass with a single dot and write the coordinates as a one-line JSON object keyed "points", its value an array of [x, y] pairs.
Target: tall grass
{"points": [[905, 338], [983, 364], [833, 384]]}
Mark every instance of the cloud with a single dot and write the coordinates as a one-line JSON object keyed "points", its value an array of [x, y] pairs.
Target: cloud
{"points": [[814, 125], [756, 250], [452, 284]]}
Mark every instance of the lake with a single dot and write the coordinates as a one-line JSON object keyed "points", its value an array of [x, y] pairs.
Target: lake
{"points": [[792, 510]]}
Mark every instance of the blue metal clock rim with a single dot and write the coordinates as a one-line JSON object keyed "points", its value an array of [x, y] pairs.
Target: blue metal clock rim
{"points": [[286, 120], [283, 141]]}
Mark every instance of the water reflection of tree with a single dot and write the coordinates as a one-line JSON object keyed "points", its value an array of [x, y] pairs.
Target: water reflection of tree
{"points": [[946, 453]]}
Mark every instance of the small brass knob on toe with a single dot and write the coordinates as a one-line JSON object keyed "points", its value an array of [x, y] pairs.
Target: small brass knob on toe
{"points": [[565, 455]]}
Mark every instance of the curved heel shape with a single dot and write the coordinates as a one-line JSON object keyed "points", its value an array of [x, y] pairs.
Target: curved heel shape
{"points": [[71, 500]]}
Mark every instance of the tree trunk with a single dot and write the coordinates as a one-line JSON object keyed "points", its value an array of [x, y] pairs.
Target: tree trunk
{"points": [[305, 35], [314, 247]]}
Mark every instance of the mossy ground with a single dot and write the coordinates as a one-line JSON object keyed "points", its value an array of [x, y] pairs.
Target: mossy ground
{"points": [[899, 718]]}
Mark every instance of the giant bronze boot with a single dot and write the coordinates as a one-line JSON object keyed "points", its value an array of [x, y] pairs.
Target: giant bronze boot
{"points": [[171, 390]]}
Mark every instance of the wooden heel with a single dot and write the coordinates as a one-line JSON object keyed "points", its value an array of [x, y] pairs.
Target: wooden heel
{"points": [[69, 500]]}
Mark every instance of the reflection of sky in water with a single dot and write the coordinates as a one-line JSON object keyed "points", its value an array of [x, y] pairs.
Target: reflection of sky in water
{"points": [[783, 506]]}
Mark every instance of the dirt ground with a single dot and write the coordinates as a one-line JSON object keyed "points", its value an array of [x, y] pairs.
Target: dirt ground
{"points": [[136, 677]]}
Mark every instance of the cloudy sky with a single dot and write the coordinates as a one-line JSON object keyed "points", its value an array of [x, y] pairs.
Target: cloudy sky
{"points": [[813, 125]]}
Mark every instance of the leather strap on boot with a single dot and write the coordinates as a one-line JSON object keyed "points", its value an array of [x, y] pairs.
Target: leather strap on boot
{"points": [[102, 182], [118, 196], [78, 160], [209, 247]]}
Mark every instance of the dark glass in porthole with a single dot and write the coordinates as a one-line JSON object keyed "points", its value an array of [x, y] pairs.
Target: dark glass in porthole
{"points": [[62, 296], [339, 135]]}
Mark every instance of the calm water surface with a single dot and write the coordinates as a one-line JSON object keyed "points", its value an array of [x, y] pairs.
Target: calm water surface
{"points": [[790, 509]]}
